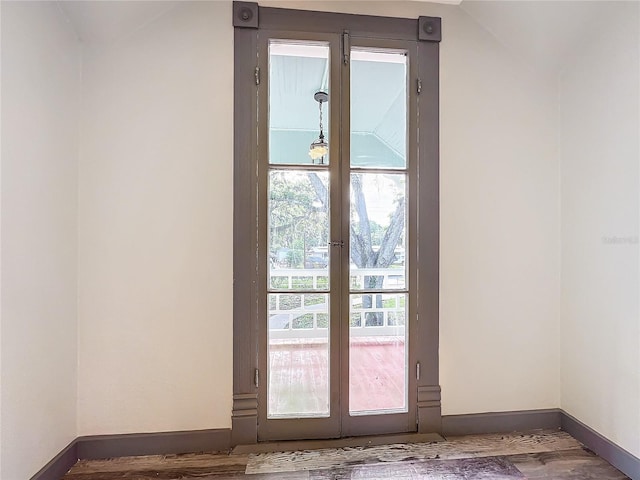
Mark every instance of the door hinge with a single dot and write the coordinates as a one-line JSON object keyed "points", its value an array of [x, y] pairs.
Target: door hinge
{"points": [[346, 49], [257, 75], [418, 371], [256, 377], [419, 86]]}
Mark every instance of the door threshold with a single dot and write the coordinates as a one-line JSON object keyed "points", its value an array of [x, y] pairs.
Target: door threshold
{"points": [[364, 441]]}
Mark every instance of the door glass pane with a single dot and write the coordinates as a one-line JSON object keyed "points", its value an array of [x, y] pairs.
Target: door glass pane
{"points": [[378, 108], [378, 353], [298, 355], [297, 71], [298, 230], [378, 231]]}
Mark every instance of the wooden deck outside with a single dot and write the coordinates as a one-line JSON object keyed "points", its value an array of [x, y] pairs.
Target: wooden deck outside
{"points": [[299, 375]]}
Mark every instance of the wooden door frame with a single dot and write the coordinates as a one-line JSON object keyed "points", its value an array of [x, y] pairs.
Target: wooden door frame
{"points": [[248, 19]]}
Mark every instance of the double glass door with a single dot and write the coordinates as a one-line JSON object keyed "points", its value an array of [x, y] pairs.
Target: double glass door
{"points": [[336, 224]]}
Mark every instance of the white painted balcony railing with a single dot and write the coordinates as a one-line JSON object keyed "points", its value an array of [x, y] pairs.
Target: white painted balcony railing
{"points": [[305, 315], [313, 278]]}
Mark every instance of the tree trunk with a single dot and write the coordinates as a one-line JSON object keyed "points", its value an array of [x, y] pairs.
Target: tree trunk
{"points": [[361, 247]]}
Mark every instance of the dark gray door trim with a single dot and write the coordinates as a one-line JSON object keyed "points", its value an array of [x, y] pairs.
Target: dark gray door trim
{"points": [[248, 18], [250, 15], [244, 418], [428, 238]]}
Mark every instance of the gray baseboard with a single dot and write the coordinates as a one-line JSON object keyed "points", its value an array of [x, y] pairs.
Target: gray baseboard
{"points": [[164, 443], [618, 457], [500, 422], [127, 445], [59, 465]]}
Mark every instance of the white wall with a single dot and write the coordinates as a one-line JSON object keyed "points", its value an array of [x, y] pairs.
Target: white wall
{"points": [[40, 99], [499, 253], [600, 127], [155, 316], [155, 226]]}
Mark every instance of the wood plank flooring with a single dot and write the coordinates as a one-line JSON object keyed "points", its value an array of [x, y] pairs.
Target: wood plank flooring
{"points": [[538, 455]]}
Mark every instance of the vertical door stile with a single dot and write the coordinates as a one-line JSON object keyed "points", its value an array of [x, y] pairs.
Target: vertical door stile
{"points": [[345, 155], [261, 209], [337, 252], [413, 155]]}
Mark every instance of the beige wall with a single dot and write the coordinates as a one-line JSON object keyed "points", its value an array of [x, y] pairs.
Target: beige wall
{"points": [[40, 99], [155, 226], [600, 127], [499, 254], [155, 222]]}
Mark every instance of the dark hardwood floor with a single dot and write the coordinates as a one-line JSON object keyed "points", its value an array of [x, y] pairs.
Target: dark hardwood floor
{"points": [[538, 455]]}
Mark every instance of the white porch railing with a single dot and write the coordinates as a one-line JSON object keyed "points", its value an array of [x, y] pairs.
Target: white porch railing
{"points": [[313, 278], [305, 315]]}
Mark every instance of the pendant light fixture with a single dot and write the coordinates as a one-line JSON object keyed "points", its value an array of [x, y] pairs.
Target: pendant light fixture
{"points": [[320, 147]]}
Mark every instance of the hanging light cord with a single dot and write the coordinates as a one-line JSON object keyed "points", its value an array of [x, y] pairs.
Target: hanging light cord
{"points": [[319, 148], [320, 107]]}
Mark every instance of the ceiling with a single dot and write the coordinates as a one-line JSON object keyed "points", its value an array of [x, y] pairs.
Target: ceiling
{"points": [[100, 22], [542, 32]]}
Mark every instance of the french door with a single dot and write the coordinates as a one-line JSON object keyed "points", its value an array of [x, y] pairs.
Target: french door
{"points": [[335, 225], [336, 214]]}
